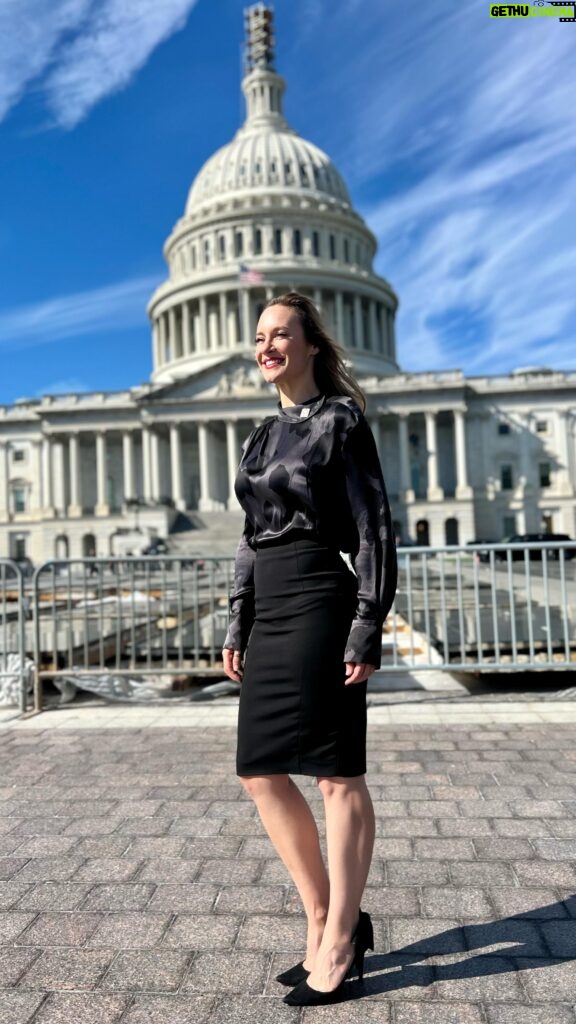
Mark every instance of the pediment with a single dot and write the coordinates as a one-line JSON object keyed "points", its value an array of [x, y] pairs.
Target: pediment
{"points": [[234, 376]]}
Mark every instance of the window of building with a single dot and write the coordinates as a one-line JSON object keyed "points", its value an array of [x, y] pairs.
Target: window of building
{"points": [[503, 428], [206, 251], [315, 243], [346, 251], [297, 242], [541, 426], [277, 240], [19, 455], [257, 241], [544, 470], [238, 243], [357, 254], [332, 242], [19, 547], [509, 526], [506, 477], [19, 499], [193, 257], [222, 246]]}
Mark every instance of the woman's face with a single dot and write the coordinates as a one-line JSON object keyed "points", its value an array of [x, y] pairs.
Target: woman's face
{"points": [[282, 352]]}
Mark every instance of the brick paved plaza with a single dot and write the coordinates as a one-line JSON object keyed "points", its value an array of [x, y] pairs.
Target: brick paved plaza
{"points": [[137, 884]]}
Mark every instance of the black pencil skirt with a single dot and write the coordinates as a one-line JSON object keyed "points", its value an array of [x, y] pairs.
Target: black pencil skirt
{"points": [[296, 715]]}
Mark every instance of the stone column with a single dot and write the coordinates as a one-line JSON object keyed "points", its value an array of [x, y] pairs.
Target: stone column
{"points": [[525, 438], [186, 338], [102, 507], [172, 332], [391, 334], [75, 506], [176, 466], [245, 319], [404, 451], [163, 339], [233, 460], [156, 344], [37, 497], [339, 317], [203, 324], [4, 488], [223, 319], [154, 449], [318, 299], [564, 483], [48, 488], [375, 343], [463, 490], [358, 324], [146, 469], [128, 465], [433, 492], [205, 503]]}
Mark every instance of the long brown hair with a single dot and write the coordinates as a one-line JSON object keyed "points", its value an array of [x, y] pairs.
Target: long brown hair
{"points": [[330, 373]]}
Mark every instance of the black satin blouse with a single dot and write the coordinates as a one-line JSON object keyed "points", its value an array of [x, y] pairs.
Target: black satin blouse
{"points": [[314, 467]]}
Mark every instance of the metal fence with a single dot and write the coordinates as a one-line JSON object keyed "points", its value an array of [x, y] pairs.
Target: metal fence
{"points": [[484, 607], [140, 627], [14, 668]]}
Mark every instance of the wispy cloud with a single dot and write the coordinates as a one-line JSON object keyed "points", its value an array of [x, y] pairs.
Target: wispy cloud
{"points": [[78, 51], [66, 386], [466, 131], [114, 307]]}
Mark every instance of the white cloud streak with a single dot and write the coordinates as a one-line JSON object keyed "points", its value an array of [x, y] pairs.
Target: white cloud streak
{"points": [[112, 308], [467, 123], [77, 52]]}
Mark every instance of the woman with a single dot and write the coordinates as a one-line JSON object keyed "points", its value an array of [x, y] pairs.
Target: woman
{"points": [[311, 486]]}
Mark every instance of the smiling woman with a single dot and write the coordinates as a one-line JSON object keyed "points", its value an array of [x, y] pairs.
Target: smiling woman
{"points": [[306, 633]]}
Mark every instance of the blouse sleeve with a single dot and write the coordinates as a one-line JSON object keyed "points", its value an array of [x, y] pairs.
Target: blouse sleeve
{"points": [[373, 555], [241, 600]]}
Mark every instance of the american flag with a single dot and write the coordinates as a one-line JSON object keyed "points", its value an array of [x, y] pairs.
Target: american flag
{"points": [[246, 275]]}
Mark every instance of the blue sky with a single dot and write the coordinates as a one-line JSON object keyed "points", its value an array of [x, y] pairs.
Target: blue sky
{"points": [[455, 132]]}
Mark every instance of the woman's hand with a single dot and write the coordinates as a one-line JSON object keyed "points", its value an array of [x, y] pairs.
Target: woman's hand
{"points": [[357, 672], [232, 664]]}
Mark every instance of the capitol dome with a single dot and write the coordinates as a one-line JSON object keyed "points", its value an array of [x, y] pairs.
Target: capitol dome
{"points": [[267, 154], [268, 212]]}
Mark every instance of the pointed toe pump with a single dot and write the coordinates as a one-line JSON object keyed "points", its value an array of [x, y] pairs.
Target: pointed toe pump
{"points": [[294, 975], [305, 995]]}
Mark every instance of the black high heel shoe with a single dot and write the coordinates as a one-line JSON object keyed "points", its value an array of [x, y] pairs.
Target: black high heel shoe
{"points": [[363, 939], [294, 975]]}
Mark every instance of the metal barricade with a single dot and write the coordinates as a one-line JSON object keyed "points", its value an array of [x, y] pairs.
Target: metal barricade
{"points": [[130, 618], [483, 607], [14, 668], [497, 607]]}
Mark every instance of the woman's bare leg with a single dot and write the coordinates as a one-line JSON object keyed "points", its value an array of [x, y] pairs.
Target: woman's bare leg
{"points": [[288, 820], [350, 831]]}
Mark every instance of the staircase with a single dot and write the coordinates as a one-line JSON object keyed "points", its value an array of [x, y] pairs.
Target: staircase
{"points": [[206, 533]]}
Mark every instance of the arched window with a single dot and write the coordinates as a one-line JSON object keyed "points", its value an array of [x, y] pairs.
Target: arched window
{"points": [[423, 533], [88, 545], [451, 531]]}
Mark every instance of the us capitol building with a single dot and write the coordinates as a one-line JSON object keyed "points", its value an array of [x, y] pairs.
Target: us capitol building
{"points": [[463, 457]]}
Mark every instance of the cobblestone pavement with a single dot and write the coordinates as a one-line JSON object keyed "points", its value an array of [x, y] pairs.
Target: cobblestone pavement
{"points": [[137, 884]]}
